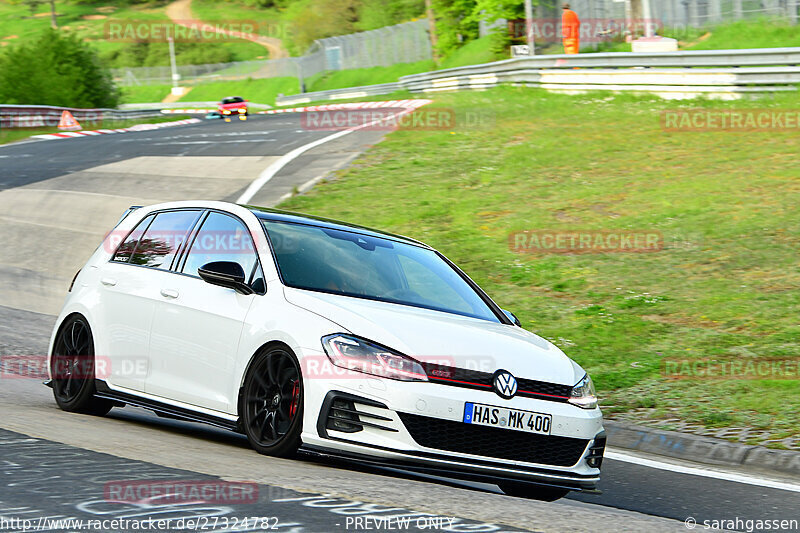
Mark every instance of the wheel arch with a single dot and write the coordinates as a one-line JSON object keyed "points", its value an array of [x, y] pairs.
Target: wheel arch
{"points": [[275, 343], [58, 328]]}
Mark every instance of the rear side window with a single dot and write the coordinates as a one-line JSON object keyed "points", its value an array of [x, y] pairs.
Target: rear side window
{"points": [[221, 238], [125, 250], [155, 241]]}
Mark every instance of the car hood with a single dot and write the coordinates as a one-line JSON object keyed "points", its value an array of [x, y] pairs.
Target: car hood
{"points": [[443, 338]]}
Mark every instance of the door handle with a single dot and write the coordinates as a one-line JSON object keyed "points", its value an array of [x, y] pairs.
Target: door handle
{"points": [[108, 281], [169, 293]]}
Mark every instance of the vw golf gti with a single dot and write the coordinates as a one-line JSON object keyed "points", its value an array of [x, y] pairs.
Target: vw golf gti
{"points": [[311, 335]]}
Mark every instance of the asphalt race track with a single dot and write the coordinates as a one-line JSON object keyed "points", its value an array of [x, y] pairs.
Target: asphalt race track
{"points": [[58, 198]]}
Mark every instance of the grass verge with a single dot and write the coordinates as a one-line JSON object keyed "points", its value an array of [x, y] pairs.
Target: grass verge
{"points": [[341, 79], [262, 91], [725, 286]]}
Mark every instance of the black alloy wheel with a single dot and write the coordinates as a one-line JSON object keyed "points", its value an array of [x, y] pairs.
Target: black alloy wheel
{"points": [[272, 403], [72, 369]]}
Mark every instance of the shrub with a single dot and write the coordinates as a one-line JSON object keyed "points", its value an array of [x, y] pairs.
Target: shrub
{"points": [[55, 69]]}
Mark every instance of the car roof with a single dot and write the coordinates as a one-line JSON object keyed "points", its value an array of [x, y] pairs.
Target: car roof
{"points": [[276, 215]]}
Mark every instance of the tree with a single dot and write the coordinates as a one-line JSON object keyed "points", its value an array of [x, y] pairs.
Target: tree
{"points": [[456, 23], [56, 69]]}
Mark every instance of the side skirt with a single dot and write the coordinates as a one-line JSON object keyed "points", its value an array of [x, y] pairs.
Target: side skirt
{"points": [[162, 409]]}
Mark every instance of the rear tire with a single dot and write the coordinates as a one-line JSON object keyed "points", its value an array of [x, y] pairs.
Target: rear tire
{"points": [[72, 368], [271, 407], [532, 492]]}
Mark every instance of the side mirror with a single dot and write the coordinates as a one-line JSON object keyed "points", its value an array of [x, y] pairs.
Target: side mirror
{"points": [[512, 317], [225, 274]]}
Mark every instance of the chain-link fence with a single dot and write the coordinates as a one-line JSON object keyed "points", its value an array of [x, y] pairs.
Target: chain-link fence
{"points": [[672, 16], [410, 42], [402, 43], [693, 13]]}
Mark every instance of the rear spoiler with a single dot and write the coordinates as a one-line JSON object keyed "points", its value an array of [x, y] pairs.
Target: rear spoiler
{"points": [[127, 212]]}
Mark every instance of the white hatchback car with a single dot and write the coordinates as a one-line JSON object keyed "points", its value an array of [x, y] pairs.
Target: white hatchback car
{"points": [[305, 333]]}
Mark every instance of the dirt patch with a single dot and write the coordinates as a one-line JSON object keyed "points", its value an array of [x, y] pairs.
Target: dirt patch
{"points": [[46, 14], [11, 37], [94, 17], [106, 9]]}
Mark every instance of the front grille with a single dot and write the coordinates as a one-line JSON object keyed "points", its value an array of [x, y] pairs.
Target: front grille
{"points": [[541, 387], [493, 442], [474, 379]]}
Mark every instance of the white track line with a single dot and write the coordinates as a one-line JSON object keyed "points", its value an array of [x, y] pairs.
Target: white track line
{"points": [[618, 455], [285, 159]]}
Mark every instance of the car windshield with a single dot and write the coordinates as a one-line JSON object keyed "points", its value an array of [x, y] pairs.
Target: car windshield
{"points": [[233, 100], [362, 266]]}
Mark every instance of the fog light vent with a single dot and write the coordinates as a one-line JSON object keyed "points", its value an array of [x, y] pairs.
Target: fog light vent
{"points": [[595, 457], [341, 416]]}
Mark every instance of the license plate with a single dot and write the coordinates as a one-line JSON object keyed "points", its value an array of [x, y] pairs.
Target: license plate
{"points": [[502, 417]]}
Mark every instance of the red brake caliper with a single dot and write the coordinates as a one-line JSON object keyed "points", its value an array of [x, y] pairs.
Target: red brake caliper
{"points": [[295, 398]]}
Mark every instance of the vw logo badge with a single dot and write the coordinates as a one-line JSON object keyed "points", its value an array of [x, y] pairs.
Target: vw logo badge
{"points": [[505, 385]]}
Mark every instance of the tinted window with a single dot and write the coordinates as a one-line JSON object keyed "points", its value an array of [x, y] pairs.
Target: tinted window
{"points": [[362, 266], [127, 247], [233, 100], [161, 240], [221, 238]]}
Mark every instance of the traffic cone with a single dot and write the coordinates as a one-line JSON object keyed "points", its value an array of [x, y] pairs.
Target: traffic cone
{"points": [[68, 122]]}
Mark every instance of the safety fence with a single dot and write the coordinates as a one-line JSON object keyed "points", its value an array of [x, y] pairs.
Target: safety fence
{"points": [[603, 20], [402, 43]]}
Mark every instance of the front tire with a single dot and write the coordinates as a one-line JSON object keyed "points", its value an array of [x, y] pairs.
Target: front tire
{"points": [[272, 403], [532, 492], [72, 369]]}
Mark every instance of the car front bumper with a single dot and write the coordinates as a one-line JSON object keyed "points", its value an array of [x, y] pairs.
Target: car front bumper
{"points": [[384, 422]]}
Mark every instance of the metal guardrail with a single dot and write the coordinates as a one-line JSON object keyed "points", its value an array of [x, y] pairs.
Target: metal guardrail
{"points": [[340, 94], [33, 116], [724, 73]]}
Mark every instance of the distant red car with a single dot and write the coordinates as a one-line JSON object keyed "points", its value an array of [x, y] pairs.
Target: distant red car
{"points": [[233, 106]]}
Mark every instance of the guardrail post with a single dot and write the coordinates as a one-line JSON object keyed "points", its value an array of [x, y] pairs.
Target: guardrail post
{"points": [[793, 6], [738, 12], [694, 15], [715, 11]]}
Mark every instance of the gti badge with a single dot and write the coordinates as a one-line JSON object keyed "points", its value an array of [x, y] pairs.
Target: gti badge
{"points": [[505, 385]]}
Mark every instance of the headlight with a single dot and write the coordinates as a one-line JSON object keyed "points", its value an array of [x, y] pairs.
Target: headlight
{"points": [[583, 394], [242, 110], [357, 354], [227, 111]]}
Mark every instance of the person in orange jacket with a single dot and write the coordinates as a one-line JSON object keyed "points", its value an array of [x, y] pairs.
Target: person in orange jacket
{"points": [[570, 30]]}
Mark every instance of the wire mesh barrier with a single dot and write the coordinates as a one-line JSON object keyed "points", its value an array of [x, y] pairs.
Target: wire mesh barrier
{"points": [[402, 43], [677, 13], [410, 42], [601, 20]]}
